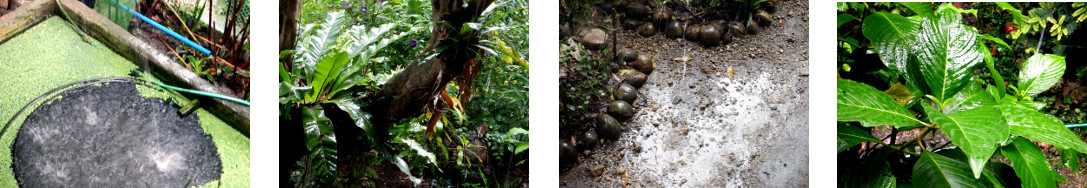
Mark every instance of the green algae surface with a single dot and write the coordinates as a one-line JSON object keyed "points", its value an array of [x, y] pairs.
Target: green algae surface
{"points": [[52, 54]]}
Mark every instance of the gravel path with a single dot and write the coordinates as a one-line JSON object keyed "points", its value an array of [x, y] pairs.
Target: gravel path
{"points": [[697, 127]]}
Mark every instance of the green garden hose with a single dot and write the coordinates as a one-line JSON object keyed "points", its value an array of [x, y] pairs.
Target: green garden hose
{"points": [[213, 95]]}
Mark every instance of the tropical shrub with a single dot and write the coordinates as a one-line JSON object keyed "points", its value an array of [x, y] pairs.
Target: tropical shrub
{"points": [[357, 48], [934, 54]]}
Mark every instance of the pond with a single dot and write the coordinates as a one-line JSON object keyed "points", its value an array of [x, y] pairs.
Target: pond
{"points": [[52, 54]]}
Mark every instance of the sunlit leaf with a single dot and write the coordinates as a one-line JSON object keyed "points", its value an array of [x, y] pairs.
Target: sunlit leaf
{"points": [[950, 53], [976, 131], [1041, 127], [1039, 73], [320, 139], [921, 8], [972, 96], [1070, 158], [863, 103], [325, 73], [890, 35], [314, 48]]}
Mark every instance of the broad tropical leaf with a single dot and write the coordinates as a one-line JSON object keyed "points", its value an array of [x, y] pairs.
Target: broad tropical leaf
{"points": [[849, 136], [934, 170], [995, 40], [921, 8], [950, 53], [1039, 73], [406, 169], [1070, 158], [986, 174], [419, 150], [314, 48], [353, 107], [325, 73], [320, 139], [890, 35], [1030, 164], [871, 107], [1041, 127], [976, 131], [971, 97], [846, 18]]}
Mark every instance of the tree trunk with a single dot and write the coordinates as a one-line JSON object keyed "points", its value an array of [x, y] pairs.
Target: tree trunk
{"points": [[417, 85], [288, 29]]}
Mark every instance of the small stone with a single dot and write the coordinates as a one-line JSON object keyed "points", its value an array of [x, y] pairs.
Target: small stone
{"points": [[594, 39], [596, 170]]}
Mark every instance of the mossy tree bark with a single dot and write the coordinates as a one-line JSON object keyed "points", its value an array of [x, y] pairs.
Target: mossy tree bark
{"points": [[288, 29], [419, 84]]}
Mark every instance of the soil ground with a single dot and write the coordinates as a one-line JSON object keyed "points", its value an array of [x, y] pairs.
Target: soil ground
{"points": [[697, 126]]}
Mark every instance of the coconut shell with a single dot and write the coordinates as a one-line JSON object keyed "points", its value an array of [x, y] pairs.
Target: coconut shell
{"points": [[647, 29], [626, 92], [621, 110], [710, 35], [634, 78], [674, 29], [645, 64], [608, 127], [627, 55], [692, 31]]}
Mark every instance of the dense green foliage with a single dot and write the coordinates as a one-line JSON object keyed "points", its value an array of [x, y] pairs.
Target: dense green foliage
{"points": [[347, 49], [930, 79]]}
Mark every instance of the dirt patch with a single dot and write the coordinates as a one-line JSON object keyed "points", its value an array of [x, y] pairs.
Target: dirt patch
{"points": [[698, 126]]}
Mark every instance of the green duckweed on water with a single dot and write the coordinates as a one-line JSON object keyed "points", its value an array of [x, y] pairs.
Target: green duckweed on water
{"points": [[52, 54]]}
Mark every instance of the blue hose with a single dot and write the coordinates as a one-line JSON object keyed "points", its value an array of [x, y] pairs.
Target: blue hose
{"points": [[168, 31], [1076, 125]]}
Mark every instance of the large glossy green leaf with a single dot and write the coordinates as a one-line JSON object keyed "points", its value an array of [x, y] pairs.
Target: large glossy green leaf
{"points": [[976, 131], [995, 40], [871, 107], [950, 51], [290, 93], [314, 48], [934, 170], [405, 168], [845, 18], [320, 139], [921, 8], [972, 96], [1070, 159], [986, 174], [1041, 127], [890, 35], [353, 107], [419, 150], [1039, 73], [849, 136], [326, 72], [1030, 164]]}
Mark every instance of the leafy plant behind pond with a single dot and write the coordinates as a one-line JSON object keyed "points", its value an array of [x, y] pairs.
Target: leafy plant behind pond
{"points": [[935, 55], [360, 45]]}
